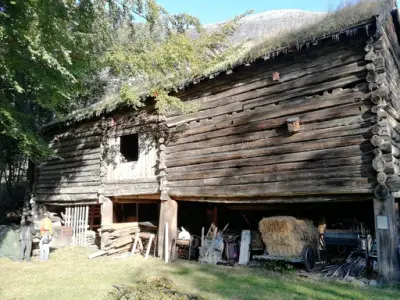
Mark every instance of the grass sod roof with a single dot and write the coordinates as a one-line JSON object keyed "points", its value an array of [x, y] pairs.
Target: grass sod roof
{"points": [[347, 19]]}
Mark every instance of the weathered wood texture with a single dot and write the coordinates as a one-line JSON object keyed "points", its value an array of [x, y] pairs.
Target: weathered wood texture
{"points": [[238, 144], [132, 188], [168, 214], [74, 173], [385, 95], [387, 240]]}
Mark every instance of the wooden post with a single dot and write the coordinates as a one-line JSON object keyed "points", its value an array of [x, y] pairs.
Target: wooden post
{"points": [[80, 225], [166, 238], [107, 212], [245, 247], [135, 243], [67, 213], [149, 245], [387, 240], [86, 223], [75, 208], [79, 222], [168, 214]]}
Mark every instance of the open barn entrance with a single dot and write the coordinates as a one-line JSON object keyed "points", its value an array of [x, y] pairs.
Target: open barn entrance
{"points": [[346, 222], [195, 215], [135, 210]]}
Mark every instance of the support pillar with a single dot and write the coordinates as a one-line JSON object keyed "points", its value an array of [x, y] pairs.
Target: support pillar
{"points": [[106, 211], [387, 240], [168, 214]]}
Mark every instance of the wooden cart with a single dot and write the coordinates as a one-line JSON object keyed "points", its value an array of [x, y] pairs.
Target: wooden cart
{"points": [[307, 257]]}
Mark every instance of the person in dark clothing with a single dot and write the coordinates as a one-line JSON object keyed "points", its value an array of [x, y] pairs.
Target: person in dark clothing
{"points": [[26, 234]]}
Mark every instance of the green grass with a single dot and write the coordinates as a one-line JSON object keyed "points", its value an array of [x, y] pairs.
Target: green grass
{"points": [[70, 275]]}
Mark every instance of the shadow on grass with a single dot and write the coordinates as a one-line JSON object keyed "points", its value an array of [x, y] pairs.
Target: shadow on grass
{"points": [[244, 283]]}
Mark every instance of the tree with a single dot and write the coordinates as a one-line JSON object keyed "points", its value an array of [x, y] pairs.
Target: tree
{"points": [[56, 54]]}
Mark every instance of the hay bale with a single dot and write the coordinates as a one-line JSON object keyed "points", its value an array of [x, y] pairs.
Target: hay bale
{"points": [[287, 236]]}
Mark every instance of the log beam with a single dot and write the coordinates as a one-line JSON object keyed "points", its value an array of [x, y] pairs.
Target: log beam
{"points": [[386, 239], [168, 214]]}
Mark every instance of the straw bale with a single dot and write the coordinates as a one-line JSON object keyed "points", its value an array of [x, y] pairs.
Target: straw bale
{"points": [[287, 236]]}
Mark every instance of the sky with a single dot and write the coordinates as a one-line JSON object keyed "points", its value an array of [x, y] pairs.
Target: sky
{"points": [[212, 11]]}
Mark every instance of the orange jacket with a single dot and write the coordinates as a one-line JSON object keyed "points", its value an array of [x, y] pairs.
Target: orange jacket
{"points": [[47, 225]]}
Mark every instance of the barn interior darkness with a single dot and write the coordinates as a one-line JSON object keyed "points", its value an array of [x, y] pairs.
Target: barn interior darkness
{"points": [[194, 215], [129, 147], [136, 212]]}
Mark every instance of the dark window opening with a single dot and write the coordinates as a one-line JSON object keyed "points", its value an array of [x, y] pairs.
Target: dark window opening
{"points": [[129, 147]]}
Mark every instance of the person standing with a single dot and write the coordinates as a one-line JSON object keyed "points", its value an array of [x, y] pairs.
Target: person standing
{"points": [[26, 234], [46, 233]]}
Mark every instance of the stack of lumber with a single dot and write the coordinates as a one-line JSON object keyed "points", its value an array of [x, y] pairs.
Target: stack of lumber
{"points": [[287, 236], [352, 268], [116, 238]]}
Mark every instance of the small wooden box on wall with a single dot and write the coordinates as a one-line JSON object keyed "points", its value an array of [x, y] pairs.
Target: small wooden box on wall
{"points": [[293, 124]]}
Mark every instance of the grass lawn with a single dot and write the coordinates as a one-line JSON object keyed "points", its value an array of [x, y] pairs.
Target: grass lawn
{"points": [[70, 275]]}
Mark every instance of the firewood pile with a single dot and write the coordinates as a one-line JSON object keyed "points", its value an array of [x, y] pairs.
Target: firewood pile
{"points": [[353, 267], [116, 238]]}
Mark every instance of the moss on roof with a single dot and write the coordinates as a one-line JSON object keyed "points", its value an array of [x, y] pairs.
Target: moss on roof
{"points": [[348, 18]]}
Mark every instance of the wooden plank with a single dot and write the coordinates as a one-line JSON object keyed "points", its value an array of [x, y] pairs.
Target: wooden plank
{"points": [[55, 184], [86, 223], [77, 170], [259, 129], [68, 213], [273, 150], [78, 158], [229, 124], [78, 153], [245, 240], [135, 243], [280, 199], [117, 190], [77, 141], [260, 69], [65, 197], [291, 170], [232, 178], [74, 225], [79, 226], [236, 144], [69, 190], [305, 187], [288, 72], [292, 88], [149, 246], [84, 146], [97, 254], [327, 154], [61, 166]]}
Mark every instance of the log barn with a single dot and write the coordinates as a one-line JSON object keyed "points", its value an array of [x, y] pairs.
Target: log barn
{"points": [[308, 129]]}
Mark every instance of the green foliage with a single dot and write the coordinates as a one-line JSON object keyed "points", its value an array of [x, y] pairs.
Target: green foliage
{"points": [[45, 52], [62, 56]]}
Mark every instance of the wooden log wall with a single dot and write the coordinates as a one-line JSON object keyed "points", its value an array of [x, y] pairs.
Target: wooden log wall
{"points": [[383, 79], [133, 178], [79, 171], [238, 144], [74, 174]]}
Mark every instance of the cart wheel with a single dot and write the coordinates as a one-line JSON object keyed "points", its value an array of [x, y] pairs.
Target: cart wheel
{"points": [[309, 258]]}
